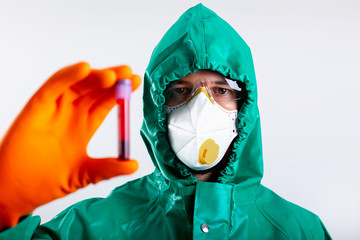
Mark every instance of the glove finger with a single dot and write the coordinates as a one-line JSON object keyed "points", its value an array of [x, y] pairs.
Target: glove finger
{"points": [[122, 72], [62, 80], [95, 170], [84, 102], [100, 108], [136, 81], [97, 79], [125, 72], [84, 113], [91, 109]]}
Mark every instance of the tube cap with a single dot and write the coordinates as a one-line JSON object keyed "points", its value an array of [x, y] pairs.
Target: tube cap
{"points": [[123, 89]]}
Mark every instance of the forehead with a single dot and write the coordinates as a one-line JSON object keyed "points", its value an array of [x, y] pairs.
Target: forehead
{"points": [[203, 75]]}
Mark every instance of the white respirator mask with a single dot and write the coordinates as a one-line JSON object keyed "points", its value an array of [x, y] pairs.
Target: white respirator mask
{"points": [[200, 130]]}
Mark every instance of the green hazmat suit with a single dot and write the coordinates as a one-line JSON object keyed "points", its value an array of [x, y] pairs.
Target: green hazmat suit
{"points": [[170, 203]]}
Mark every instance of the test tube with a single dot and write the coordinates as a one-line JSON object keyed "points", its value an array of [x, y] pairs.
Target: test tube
{"points": [[122, 95]]}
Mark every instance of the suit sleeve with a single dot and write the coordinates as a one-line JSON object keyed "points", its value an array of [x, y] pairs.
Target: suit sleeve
{"points": [[24, 230]]}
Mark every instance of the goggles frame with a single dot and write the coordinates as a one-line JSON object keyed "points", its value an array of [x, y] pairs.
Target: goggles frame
{"points": [[180, 92]]}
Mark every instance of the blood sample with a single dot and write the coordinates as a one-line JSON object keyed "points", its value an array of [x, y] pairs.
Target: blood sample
{"points": [[122, 95]]}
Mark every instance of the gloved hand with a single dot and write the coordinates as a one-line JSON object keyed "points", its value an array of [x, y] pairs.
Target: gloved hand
{"points": [[43, 154]]}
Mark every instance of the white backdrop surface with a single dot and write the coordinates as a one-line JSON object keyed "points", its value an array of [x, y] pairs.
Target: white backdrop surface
{"points": [[306, 56]]}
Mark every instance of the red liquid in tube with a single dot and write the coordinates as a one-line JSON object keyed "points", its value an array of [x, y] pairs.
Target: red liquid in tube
{"points": [[122, 94]]}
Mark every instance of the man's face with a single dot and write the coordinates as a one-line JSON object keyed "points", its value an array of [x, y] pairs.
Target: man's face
{"points": [[217, 87]]}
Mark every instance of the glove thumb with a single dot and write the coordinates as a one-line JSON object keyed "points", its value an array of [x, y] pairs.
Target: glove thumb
{"points": [[97, 169]]}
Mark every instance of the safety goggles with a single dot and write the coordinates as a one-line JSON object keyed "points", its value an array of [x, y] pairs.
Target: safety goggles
{"points": [[224, 92]]}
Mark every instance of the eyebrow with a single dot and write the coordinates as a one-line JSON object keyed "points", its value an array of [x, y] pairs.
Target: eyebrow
{"points": [[178, 81], [221, 81]]}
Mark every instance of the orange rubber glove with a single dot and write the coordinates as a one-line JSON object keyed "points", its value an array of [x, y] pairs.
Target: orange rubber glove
{"points": [[43, 154]]}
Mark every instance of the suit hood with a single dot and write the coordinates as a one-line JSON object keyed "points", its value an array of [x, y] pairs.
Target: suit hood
{"points": [[200, 39]]}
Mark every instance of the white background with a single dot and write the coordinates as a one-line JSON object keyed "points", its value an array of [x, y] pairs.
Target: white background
{"points": [[306, 56]]}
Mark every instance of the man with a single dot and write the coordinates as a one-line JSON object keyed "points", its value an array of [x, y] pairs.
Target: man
{"points": [[202, 130]]}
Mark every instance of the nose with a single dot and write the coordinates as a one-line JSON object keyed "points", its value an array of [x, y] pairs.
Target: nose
{"points": [[198, 91], [201, 84]]}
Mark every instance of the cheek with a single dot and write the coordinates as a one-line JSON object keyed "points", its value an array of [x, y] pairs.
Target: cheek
{"points": [[230, 105]]}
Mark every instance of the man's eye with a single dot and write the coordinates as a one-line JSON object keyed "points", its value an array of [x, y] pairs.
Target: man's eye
{"points": [[221, 91], [177, 94], [179, 90]]}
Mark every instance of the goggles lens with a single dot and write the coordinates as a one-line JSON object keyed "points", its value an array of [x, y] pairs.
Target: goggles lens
{"points": [[221, 91]]}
